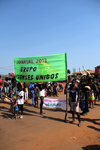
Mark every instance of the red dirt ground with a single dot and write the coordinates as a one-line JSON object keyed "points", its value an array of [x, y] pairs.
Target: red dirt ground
{"points": [[49, 132]]}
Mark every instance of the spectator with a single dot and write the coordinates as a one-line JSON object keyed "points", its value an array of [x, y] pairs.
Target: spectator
{"points": [[91, 98], [36, 96], [32, 90], [74, 94], [20, 100], [55, 88], [41, 95], [48, 89], [95, 89], [1, 86], [6, 86], [14, 84], [25, 92], [15, 107], [61, 86]]}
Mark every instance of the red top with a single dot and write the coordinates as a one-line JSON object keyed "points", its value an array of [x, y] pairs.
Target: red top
{"points": [[59, 83], [0, 82]]}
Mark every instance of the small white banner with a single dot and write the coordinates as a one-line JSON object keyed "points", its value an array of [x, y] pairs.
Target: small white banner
{"points": [[54, 103]]}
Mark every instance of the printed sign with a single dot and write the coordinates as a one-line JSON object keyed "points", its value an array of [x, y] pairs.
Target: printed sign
{"points": [[54, 103], [41, 68]]}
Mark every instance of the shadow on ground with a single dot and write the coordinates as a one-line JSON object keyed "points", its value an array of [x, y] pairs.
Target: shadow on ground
{"points": [[94, 128], [91, 147]]}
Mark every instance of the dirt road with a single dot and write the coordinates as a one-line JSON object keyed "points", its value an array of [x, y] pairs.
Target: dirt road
{"points": [[49, 132]]}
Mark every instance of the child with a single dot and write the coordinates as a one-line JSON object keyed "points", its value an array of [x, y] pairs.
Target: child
{"points": [[11, 99], [91, 98], [15, 107]]}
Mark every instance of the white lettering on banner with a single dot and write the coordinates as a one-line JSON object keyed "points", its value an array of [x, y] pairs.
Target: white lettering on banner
{"points": [[54, 103]]}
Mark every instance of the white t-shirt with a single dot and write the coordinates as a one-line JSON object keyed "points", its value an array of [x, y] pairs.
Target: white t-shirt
{"points": [[42, 93], [21, 100]]}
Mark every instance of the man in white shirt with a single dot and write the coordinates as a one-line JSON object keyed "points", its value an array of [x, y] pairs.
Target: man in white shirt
{"points": [[20, 99]]}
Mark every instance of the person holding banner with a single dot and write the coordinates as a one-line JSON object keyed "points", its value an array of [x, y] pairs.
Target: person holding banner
{"points": [[32, 90]]}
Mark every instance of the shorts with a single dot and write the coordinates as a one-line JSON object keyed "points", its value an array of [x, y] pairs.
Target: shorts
{"points": [[16, 108], [74, 107]]}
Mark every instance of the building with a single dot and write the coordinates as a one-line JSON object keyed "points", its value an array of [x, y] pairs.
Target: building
{"points": [[97, 72], [92, 72]]}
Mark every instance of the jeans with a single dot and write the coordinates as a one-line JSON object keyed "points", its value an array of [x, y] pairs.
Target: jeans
{"points": [[1, 92], [33, 98], [7, 89]]}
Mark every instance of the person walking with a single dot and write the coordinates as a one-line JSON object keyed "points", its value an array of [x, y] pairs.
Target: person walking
{"points": [[32, 90], [41, 95], [20, 94], [74, 94]]}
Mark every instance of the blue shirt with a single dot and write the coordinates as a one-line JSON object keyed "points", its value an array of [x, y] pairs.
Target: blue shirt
{"points": [[31, 87]]}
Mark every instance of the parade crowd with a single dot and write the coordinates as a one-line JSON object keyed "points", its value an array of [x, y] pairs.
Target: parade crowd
{"points": [[84, 97], [19, 93]]}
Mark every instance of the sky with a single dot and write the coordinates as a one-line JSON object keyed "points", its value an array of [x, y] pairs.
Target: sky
{"points": [[31, 28]]}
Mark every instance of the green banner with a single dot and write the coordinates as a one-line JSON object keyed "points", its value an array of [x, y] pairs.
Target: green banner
{"points": [[41, 68]]}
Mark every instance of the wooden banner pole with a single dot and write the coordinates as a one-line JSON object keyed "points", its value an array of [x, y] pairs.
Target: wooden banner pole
{"points": [[66, 102]]}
